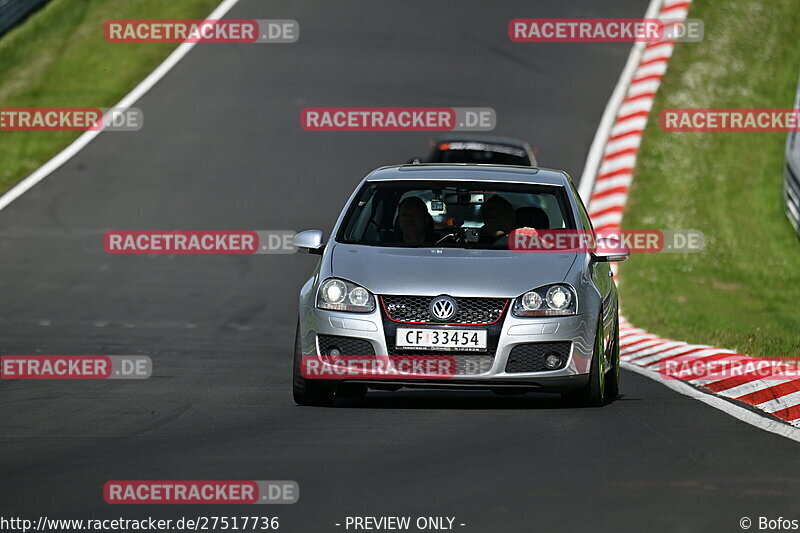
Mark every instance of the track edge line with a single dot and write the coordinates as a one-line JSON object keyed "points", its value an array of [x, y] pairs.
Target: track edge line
{"points": [[748, 416], [129, 99]]}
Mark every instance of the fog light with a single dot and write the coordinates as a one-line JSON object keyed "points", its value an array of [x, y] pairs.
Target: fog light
{"points": [[552, 361], [334, 352]]}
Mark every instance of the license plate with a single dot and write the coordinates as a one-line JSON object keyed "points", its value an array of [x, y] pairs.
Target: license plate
{"points": [[462, 339]]}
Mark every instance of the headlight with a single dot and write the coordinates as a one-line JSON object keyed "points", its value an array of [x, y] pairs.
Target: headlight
{"points": [[359, 296], [558, 297], [531, 301], [551, 300], [340, 295], [333, 291]]}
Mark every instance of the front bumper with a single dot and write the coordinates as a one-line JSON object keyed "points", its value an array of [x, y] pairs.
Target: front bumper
{"points": [[579, 330]]}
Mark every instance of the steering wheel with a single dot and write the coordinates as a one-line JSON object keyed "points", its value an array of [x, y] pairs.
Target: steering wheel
{"points": [[459, 236]]}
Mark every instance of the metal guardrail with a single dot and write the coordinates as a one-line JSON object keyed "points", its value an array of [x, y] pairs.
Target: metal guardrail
{"points": [[12, 11], [791, 178]]}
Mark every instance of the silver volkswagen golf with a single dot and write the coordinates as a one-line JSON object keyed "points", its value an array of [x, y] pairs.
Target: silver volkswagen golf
{"points": [[420, 273]]}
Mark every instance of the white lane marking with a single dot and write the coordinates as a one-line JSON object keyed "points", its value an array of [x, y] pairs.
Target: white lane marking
{"points": [[622, 180], [751, 387], [617, 163], [745, 415], [694, 358], [641, 87], [78, 144], [609, 117], [637, 340], [659, 67], [775, 373], [624, 143], [660, 52], [629, 124], [611, 219], [655, 343], [781, 402], [679, 350], [638, 336], [627, 334], [722, 375], [634, 106], [598, 204], [658, 348]]}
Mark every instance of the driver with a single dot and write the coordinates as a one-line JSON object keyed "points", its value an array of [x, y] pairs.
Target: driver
{"points": [[414, 221], [498, 218]]}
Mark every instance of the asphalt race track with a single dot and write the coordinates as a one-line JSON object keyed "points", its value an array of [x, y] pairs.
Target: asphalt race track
{"points": [[222, 149]]}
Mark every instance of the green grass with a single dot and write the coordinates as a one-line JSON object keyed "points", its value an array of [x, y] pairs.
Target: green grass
{"points": [[743, 291], [58, 57]]}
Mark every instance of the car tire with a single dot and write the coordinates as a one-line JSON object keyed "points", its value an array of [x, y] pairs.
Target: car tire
{"points": [[612, 377], [593, 394], [306, 391]]}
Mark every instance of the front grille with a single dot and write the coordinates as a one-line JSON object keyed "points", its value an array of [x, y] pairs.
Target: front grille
{"points": [[472, 311], [346, 345], [530, 357]]}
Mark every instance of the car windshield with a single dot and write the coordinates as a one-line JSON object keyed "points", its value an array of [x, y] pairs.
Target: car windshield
{"points": [[451, 214], [477, 152]]}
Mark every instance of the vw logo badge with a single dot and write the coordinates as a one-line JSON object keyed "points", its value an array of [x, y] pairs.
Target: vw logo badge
{"points": [[443, 308]]}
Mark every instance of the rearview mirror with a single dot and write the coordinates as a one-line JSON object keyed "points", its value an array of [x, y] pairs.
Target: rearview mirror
{"points": [[309, 241], [609, 249]]}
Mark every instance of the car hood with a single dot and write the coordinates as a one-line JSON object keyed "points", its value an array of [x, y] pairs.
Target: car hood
{"points": [[457, 272]]}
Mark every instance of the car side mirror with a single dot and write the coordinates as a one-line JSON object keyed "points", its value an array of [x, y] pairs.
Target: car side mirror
{"points": [[609, 249], [309, 241]]}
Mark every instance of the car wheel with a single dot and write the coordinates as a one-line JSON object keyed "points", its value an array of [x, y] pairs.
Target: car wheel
{"points": [[593, 394], [612, 378], [307, 391]]}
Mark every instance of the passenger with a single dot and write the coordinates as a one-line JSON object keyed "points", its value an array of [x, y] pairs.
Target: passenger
{"points": [[498, 219], [414, 221]]}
